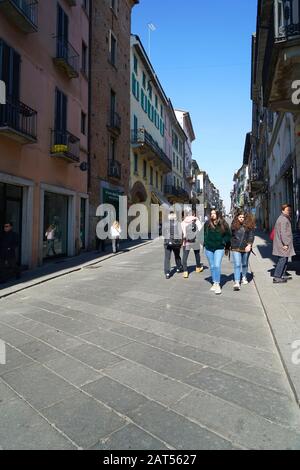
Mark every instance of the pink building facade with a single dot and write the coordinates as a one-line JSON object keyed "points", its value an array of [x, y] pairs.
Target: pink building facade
{"points": [[44, 51]]}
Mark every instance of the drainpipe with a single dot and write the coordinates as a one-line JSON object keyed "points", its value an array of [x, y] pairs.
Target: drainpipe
{"points": [[90, 94]]}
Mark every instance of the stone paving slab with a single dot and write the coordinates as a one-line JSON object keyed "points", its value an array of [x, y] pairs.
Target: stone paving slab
{"points": [[23, 429], [130, 438], [176, 430], [83, 419], [37, 385], [114, 394]]}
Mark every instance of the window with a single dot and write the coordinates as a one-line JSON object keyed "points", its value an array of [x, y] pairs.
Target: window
{"points": [[10, 64], [112, 107], [114, 5], [150, 91], [177, 166], [156, 101], [86, 6], [174, 159], [180, 148], [144, 169], [112, 49], [135, 87], [144, 80], [161, 183], [180, 166], [156, 179], [62, 31], [151, 175], [174, 179], [60, 112], [161, 111], [112, 149], [83, 123], [135, 163], [135, 124], [135, 64], [84, 58]]}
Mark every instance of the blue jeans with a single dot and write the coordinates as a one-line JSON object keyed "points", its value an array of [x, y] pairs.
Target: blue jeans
{"points": [[240, 262], [215, 261]]}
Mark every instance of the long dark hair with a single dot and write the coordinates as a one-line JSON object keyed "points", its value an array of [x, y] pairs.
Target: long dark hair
{"points": [[249, 223], [219, 223]]}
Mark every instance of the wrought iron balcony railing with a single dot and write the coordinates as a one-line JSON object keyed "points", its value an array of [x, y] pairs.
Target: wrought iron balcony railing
{"points": [[66, 57], [114, 169], [24, 13], [174, 191], [141, 137], [18, 120], [65, 145]]}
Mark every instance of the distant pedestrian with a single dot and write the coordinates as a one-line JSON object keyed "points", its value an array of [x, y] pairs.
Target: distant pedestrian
{"points": [[242, 240], [217, 238], [191, 229], [172, 244], [50, 236], [9, 242], [115, 234], [283, 246]]}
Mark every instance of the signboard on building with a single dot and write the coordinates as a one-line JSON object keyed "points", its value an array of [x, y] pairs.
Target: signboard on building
{"points": [[2, 92]]}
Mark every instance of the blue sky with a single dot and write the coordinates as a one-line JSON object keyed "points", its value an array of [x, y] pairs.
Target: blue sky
{"points": [[201, 51]]}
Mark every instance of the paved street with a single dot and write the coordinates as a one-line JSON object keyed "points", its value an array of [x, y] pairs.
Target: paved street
{"points": [[115, 357]]}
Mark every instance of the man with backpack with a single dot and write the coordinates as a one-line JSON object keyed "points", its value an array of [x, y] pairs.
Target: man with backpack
{"points": [[172, 243], [191, 231]]}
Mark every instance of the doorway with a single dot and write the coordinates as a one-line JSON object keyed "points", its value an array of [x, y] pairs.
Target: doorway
{"points": [[11, 203]]}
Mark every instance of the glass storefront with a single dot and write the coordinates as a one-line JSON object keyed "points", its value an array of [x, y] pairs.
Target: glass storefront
{"points": [[55, 225], [11, 201]]}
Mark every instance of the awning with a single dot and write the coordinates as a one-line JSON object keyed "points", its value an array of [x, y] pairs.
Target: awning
{"points": [[160, 199]]}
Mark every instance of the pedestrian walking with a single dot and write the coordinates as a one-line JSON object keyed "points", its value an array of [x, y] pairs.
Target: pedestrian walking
{"points": [[50, 236], [9, 242], [191, 229], [217, 238], [242, 240], [283, 246], [115, 233], [172, 244]]}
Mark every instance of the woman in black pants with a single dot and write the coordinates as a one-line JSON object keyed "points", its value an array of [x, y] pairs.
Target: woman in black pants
{"points": [[172, 244]]}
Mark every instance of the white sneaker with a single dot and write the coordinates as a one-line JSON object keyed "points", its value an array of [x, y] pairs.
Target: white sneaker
{"points": [[244, 281], [214, 286], [218, 290], [236, 286]]}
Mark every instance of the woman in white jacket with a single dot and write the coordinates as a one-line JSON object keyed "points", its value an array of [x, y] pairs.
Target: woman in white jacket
{"points": [[115, 233], [191, 233]]}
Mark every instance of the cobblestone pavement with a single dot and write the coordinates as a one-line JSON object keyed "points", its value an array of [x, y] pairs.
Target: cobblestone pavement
{"points": [[116, 357]]}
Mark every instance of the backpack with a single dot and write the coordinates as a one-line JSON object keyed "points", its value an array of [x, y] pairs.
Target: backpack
{"points": [[191, 232]]}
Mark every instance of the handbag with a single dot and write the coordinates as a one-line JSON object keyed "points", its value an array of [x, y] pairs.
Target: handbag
{"points": [[272, 235]]}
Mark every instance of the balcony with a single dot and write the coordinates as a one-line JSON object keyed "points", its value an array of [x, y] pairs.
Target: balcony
{"points": [[257, 179], [66, 58], [65, 145], [23, 13], [176, 194], [18, 121], [114, 123], [282, 56], [114, 169], [144, 143]]}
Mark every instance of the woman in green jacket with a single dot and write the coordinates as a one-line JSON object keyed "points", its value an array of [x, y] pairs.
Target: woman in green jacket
{"points": [[217, 238]]}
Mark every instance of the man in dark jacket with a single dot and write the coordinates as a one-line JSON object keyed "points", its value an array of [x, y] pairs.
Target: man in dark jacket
{"points": [[283, 246], [172, 243], [9, 242]]}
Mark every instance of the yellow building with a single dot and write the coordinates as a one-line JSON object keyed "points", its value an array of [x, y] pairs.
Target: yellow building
{"points": [[149, 162]]}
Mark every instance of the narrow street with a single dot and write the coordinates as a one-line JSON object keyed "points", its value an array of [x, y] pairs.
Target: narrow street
{"points": [[116, 357]]}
